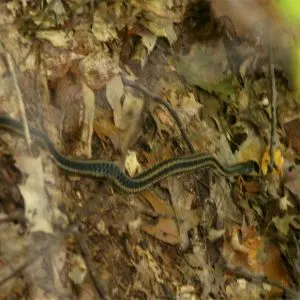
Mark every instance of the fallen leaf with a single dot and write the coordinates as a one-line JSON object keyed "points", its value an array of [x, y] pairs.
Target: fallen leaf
{"points": [[246, 14], [57, 38], [186, 292], [259, 257], [13, 246], [166, 229], [292, 181], [148, 40], [205, 66], [214, 234], [278, 162], [251, 148], [284, 203], [78, 269], [87, 291], [132, 166], [106, 129], [252, 186], [37, 208], [114, 94], [131, 118], [97, 69], [104, 29], [164, 117], [293, 133], [283, 223]]}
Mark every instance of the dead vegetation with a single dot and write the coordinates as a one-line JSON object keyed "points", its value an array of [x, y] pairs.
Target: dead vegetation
{"points": [[138, 82]]}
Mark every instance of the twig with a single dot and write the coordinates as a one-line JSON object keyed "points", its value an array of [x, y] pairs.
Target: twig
{"points": [[20, 98], [35, 256], [243, 273], [87, 258], [164, 103], [273, 137], [18, 216]]}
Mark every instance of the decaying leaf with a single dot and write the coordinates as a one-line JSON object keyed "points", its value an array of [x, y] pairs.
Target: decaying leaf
{"points": [[13, 253], [284, 203], [245, 14], [78, 269], [186, 292], [132, 166], [103, 29], [166, 228], [106, 129], [278, 161], [57, 38], [283, 223], [37, 207], [292, 181], [293, 133], [90, 42], [251, 148], [148, 40], [114, 94], [131, 118], [205, 66], [171, 228], [257, 255], [98, 68]]}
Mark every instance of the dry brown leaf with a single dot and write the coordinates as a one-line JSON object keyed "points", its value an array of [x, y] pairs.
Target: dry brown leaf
{"points": [[162, 9], [78, 269], [250, 149], [166, 229], [186, 292], [114, 94], [283, 223], [158, 155], [205, 66], [188, 107], [158, 205], [13, 246], [293, 133], [292, 181], [181, 198], [148, 40], [164, 117], [37, 208], [252, 186], [106, 129], [284, 203], [87, 291], [127, 113], [259, 257], [98, 68], [59, 39], [104, 29], [246, 14], [131, 118], [205, 138]]}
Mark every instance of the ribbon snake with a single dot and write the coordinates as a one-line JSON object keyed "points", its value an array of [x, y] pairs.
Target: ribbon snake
{"points": [[110, 170]]}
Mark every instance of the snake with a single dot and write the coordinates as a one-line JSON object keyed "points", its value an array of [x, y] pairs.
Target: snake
{"points": [[111, 170]]}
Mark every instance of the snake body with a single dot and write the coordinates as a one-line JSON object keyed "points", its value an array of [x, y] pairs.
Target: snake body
{"points": [[110, 170]]}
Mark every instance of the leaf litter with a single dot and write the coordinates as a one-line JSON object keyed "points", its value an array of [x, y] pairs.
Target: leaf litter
{"points": [[70, 60]]}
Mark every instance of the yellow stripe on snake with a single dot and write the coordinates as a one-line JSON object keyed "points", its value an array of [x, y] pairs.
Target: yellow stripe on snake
{"points": [[110, 170]]}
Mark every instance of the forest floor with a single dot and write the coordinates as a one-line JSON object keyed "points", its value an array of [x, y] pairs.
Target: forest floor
{"points": [[137, 83]]}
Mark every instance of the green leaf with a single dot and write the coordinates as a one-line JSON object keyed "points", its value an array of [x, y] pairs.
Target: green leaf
{"points": [[290, 9]]}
